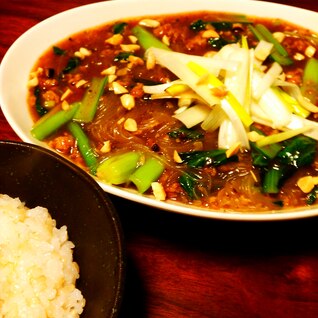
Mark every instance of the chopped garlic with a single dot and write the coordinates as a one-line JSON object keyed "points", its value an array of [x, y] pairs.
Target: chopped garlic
{"points": [[150, 23], [116, 39], [133, 39], [130, 125], [158, 191], [279, 36], [233, 150], [127, 101], [310, 51], [82, 53], [106, 147], [166, 40], [118, 88], [111, 78], [307, 183], [33, 82], [66, 94], [210, 34], [80, 83], [109, 71], [176, 157], [130, 47], [299, 57], [65, 105], [151, 60]]}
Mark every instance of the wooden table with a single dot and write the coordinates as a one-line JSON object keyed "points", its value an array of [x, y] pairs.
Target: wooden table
{"points": [[186, 267]]}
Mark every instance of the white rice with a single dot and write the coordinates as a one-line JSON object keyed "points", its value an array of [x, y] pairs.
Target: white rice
{"points": [[37, 271]]}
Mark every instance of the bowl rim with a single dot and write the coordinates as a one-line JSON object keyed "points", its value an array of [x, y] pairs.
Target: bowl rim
{"points": [[104, 198], [248, 7]]}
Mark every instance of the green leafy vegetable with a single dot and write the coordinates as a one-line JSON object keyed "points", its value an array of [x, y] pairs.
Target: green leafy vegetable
{"points": [[58, 51], [222, 25], [198, 25], [274, 177], [217, 43], [195, 184], [312, 196], [119, 27], [38, 102], [198, 159], [122, 56], [184, 133], [262, 155], [297, 152], [72, 63]]}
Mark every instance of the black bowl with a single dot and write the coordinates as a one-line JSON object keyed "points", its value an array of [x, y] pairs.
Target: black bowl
{"points": [[40, 177]]}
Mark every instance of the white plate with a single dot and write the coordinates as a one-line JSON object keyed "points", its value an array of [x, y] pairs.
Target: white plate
{"points": [[22, 55]]}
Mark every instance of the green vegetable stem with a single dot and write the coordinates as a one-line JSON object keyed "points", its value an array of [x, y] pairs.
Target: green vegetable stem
{"points": [[147, 39], [309, 87], [53, 122], [83, 145], [149, 172], [89, 103], [118, 168], [279, 53]]}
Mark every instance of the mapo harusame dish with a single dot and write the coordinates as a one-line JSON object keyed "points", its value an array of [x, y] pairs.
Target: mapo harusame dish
{"points": [[208, 109]]}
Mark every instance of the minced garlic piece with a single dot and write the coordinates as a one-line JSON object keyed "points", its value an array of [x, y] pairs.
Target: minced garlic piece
{"points": [[233, 150], [120, 121], [109, 71], [307, 183], [133, 39], [65, 105], [130, 47], [210, 34], [176, 157], [135, 60], [116, 39], [82, 53], [106, 147], [151, 61], [80, 83], [310, 51], [279, 36], [299, 57], [118, 88], [122, 71], [127, 101], [150, 23], [130, 124], [111, 78], [166, 40], [33, 82], [158, 191], [66, 94]]}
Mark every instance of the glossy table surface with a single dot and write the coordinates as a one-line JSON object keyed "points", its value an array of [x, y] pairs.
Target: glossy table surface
{"points": [[180, 266]]}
